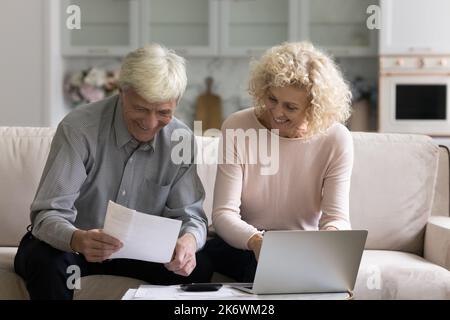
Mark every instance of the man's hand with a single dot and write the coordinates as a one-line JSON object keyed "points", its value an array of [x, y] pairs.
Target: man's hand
{"points": [[254, 244], [95, 245], [183, 261]]}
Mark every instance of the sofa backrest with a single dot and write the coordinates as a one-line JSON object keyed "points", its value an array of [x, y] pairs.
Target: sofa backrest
{"points": [[391, 193], [392, 189], [23, 153]]}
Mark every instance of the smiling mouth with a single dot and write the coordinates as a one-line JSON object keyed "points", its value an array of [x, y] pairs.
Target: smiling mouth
{"points": [[141, 127], [280, 121]]}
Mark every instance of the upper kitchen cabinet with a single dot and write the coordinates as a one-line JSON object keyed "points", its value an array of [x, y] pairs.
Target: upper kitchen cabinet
{"points": [[188, 26], [415, 27], [107, 27], [218, 27], [250, 27], [339, 26]]}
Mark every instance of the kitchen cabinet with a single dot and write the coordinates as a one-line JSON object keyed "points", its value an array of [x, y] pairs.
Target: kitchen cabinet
{"points": [[250, 27], [189, 26], [219, 27], [415, 27], [340, 26], [108, 27]]}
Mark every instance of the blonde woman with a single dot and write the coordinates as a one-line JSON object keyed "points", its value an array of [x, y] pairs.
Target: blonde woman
{"points": [[301, 97]]}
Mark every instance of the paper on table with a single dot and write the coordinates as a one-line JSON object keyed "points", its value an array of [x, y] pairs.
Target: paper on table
{"points": [[145, 237], [150, 292]]}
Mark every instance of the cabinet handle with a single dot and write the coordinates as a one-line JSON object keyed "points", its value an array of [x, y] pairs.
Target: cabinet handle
{"points": [[418, 49], [399, 62], [98, 50]]}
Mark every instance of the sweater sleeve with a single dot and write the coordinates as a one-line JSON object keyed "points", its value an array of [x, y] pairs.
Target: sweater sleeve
{"points": [[226, 217], [336, 186]]}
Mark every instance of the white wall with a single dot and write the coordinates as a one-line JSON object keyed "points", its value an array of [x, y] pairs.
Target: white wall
{"points": [[30, 63], [21, 60]]}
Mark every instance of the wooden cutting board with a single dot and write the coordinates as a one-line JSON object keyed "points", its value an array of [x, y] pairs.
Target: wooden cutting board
{"points": [[209, 108]]}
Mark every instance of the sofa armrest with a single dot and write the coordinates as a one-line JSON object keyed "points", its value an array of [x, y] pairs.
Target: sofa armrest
{"points": [[437, 241]]}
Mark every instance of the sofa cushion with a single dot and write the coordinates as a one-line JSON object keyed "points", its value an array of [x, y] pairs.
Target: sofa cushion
{"points": [[92, 287], [392, 189], [23, 155], [12, 286], [400, 275]]}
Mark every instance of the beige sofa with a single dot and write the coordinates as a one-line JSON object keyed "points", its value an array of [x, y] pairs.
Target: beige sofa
{"points": [[400, 193]]}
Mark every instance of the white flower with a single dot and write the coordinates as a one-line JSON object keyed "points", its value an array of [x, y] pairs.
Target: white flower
{"points": [[95, 77], [76, 79]]}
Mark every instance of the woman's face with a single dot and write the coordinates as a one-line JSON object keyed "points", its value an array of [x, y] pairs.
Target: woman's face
{"points": [[285, 111]]}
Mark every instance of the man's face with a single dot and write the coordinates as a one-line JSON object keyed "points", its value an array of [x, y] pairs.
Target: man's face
{"points": [[142, 118]]}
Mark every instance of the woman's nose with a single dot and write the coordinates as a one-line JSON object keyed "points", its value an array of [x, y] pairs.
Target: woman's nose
{"points": [[277, 111]]}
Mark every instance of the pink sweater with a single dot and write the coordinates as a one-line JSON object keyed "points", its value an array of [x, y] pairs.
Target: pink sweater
{"points": [[310, 191]]}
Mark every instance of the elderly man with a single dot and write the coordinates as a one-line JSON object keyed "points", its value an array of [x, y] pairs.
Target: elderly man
{"points": [[116, 149]]}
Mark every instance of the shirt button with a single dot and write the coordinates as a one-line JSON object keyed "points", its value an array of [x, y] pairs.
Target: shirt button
{"points": [[131, 160], [124, 192]]}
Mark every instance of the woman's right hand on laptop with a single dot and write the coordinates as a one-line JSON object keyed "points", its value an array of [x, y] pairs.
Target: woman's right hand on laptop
{"points": [[254, 244]]}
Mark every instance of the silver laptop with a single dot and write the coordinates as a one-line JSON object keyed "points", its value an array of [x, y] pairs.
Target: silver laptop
{"points": [[307, 262]]}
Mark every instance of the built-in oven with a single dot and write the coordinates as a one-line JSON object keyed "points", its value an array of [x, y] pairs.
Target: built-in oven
{"points": [[414, 95]]}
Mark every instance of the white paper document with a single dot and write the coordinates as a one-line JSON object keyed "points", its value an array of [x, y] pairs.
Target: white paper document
{"points": [[144, 236], [152, 292], [227, 292]]}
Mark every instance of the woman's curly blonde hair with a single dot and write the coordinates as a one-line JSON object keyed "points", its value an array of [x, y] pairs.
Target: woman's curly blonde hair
{"points": [[300, 64]]}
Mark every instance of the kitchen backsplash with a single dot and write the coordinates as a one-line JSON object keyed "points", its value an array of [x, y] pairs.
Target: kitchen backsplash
{"points": [[230, 79]]}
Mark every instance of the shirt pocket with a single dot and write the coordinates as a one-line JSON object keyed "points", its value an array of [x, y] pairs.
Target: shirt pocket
{"points": [[152, 197]]}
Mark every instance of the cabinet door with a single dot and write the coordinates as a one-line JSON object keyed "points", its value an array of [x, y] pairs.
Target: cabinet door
{"points": [[108, 27], [415, 26], [188, 26], [340, 26], [250, 27]]}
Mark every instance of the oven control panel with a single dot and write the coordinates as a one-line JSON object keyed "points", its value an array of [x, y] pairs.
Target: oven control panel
{"points": [[414, 64]]}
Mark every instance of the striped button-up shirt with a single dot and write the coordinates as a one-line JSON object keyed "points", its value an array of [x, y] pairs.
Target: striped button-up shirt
{"points": [[94, 159]]}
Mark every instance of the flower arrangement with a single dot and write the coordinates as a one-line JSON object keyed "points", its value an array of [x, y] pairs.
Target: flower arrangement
{"points": [[90, 85]]}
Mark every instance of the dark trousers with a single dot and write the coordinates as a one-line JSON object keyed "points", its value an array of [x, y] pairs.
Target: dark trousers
{"points": [[45, 269], [237, 264]]}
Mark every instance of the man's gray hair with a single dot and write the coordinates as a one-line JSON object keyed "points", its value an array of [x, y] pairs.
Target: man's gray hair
{"points": [[156, 73]]}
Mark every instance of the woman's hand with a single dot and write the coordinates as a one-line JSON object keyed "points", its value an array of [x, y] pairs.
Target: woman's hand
{"points": [[254, 244]]}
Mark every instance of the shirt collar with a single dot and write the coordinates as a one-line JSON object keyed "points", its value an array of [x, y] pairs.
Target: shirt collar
{"points": [[123, 136]]}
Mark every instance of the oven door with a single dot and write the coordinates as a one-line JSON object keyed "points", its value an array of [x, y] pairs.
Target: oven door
{"points": [[415, 104]]}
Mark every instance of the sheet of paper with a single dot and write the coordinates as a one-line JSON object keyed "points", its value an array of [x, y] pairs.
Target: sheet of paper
{"points": [[145, 237], [118, 220], [129, 295], [150, 292]]}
